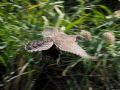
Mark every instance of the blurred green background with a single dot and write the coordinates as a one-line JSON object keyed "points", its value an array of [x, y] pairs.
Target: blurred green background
{"points": [[22, 21]]}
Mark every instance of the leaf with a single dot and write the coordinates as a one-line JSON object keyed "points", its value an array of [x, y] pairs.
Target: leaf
{"points": [[2, 47], [2, 61], [70, 66], [39, 45], [106, 9], [98, 14], [78, 21]]}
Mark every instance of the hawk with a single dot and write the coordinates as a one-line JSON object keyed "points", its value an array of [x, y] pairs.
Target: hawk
{"points": [[60, 39]]}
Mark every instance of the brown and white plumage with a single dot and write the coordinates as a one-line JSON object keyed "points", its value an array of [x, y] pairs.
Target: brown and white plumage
{"points": [[76, 50], [63, 41], [39, 45], [68, 43]]}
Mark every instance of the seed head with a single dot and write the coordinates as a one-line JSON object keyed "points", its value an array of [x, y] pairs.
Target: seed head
{"points": [[109, 37], [86, 35], [117, 14]]}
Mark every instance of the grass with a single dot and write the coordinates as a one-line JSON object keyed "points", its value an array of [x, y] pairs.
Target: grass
{"points": [[23, 21]]}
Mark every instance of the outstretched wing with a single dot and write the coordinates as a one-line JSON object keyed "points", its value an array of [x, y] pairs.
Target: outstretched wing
{"points": [[39, 45], [73, 48], [68, 44]]}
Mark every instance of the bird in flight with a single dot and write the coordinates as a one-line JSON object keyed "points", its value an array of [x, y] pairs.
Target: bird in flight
{"points": [[60, 39]]}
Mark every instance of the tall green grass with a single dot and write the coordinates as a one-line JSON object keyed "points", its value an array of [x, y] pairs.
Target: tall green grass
{"points": [[22, 21]]}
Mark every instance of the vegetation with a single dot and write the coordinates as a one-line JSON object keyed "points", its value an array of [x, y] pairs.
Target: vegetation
{"points": [[22, 21]]}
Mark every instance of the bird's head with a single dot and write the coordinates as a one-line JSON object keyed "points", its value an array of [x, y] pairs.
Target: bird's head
{"points": [[49, 32]]}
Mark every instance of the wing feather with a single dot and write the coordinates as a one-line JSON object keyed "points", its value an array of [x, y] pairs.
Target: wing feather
{"points": [[68, 44], [39, 45]]}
